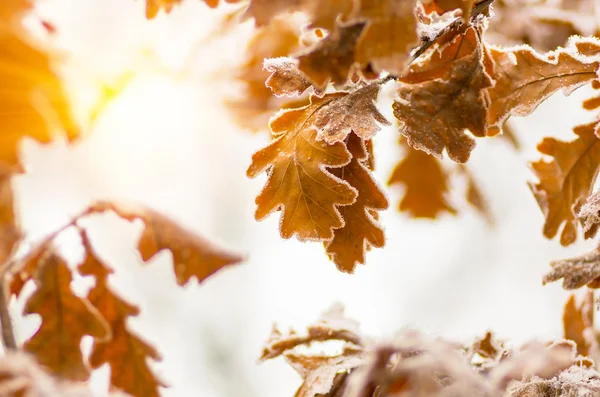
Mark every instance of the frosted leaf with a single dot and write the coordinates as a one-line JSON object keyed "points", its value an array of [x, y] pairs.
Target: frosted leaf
{"points": [[285, 78], [575, 272]]}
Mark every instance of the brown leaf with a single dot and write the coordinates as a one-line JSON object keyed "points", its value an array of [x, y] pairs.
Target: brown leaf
{"points": [[443, 6], [577, 319], [332, 59], [589, 215], [66, 318], [125, 352], [355, 112], [575, 272], [285, 78], [475, 197], [360, 230], [253, 108], [32, 99], [434, 113], [566, 181], [10, 233], [298, 183], [525, 78], [390, 35], [193, 256], [425, 182]]}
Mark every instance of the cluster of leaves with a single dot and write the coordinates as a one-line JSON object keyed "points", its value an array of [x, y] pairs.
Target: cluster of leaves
{"points": [[450, 86], [412, 365], [33, 104]]}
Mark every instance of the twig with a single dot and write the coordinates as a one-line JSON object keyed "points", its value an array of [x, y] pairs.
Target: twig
{"points": [[8, 334]]}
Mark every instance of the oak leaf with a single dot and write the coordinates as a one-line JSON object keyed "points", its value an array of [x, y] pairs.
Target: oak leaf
{"points": [[576, 272], [425, 182], [434, 113], [390, 34], [299, 183], [355, 112], [577, 319], [333, 58], [125, 352], [285, 78], [66, 319], [525, 78], [567, 180], [361, 230], [193, 256]]}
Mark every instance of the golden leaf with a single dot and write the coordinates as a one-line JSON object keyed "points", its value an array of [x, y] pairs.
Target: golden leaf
{"points": [[434, 113], [425, 182], [524, 78], [577, 319], [298, 181], [32, 99], [332, 59], [154, 6], [390, 34], [361, 230], [566, 181], [125, 352], [66, 318]]}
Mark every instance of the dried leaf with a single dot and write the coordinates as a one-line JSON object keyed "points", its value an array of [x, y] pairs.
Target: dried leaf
{"points": [[361, 230], [332, 59], [285, 78], [577, 319], [66, 318], [355, 112], [193, 256], [475, 197], [32, 99], [443, 6], [9, 230], [525, 78], [425, 182], [589, 215], [298, 183], [566, 181], [575, 272], [390, 35], [125, 352], [434, 113], [319, 14]]}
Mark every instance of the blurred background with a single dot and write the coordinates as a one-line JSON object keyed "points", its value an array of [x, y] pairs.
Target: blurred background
{"points": [[167, 141]]}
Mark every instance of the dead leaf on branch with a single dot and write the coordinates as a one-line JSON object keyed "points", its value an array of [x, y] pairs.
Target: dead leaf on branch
{"points": [[389, 36], [525, 78], [298, 182], [567, 180], [32, 100], [333, 58], [361, 230], [124, 352], [66, 318], [193, 256], [577, 319], [285, 78], [433, 113]]}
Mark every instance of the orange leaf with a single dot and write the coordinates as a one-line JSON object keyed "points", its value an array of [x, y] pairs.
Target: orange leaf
{"points": [[360, 230], [434, 113], [390, 35], [66, 318], [285, 78], [577, 319], [332, 59], [443, 6], [154, 6], [32, 99], [426, 184], [525, 78], [125, 352], [567, 180], [298, 182], [193, 256]]}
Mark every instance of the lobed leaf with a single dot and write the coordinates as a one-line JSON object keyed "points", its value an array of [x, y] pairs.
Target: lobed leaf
{"points": [[298, 182], [66, 319], [124, 352], [434, 112], [567, 180], [361, 230]]}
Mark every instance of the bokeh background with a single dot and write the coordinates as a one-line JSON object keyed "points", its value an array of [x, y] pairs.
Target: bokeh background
{"points": [[167, 141]]}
